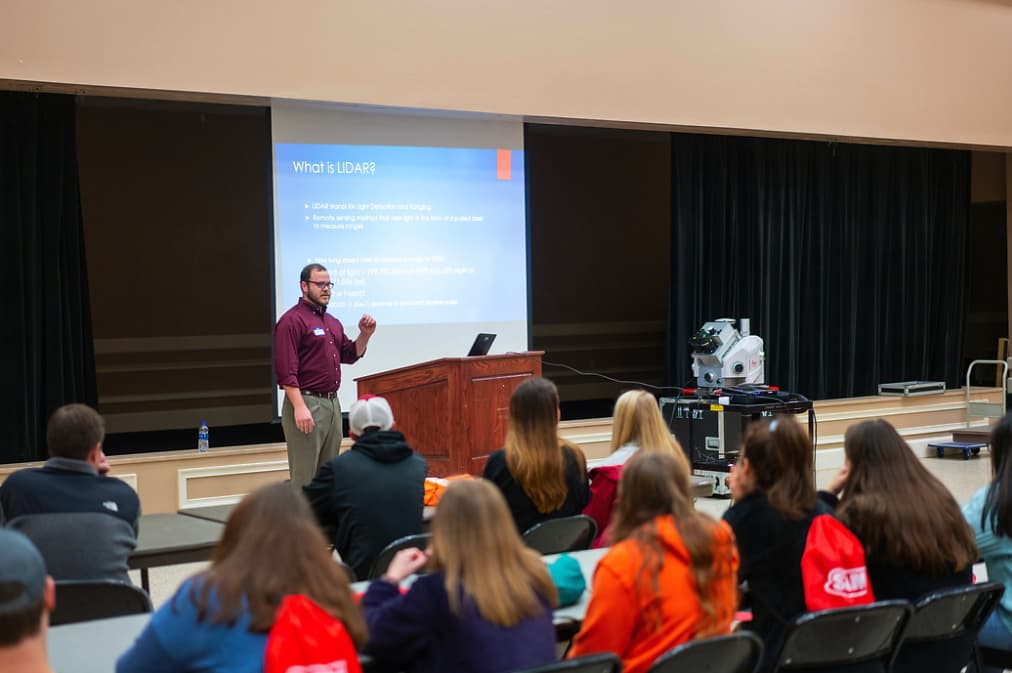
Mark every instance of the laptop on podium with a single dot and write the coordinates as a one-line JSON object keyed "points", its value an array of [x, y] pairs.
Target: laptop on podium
{"points": [[481, 344]]}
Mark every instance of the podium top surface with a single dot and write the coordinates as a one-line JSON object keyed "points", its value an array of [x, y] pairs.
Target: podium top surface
{"points": [[451, 360]]}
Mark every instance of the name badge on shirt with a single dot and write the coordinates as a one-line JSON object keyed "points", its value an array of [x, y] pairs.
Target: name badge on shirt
{"points": [[318, 331]]}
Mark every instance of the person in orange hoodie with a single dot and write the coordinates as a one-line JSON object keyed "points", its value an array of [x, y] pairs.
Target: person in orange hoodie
{"points": [[670, 576], [638, 427]]}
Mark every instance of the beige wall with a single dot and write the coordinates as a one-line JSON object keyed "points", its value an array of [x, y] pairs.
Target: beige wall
{"points": [[915, 70]]}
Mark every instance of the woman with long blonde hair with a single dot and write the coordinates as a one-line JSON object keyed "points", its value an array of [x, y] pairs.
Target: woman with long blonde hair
{"points": [[486, 604], [671, 574], [219, 619], [540, 476], [637, 427]]}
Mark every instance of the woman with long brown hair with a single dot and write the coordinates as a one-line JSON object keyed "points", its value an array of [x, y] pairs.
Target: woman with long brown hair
{"points": [[218, 620], [915, 538], [486, 604], [774, 503], [913, 531], [638, 427], [670, 576], [540, 476]]}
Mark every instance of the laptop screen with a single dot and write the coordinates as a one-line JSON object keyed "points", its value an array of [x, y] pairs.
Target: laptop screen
{"points": [[481, 344]]}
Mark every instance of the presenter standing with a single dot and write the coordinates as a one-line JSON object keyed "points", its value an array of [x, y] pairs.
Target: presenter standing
{"points": [[309, 347]]}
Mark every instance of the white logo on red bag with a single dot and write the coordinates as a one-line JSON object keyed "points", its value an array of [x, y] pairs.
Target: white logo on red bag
{"points": [[339, 666], [847, 582]]}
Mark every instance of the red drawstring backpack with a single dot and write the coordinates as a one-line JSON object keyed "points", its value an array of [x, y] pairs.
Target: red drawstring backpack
{"points": [[833, 569], [306, 639]]}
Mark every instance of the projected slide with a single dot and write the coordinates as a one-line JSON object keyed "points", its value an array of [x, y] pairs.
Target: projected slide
{"points": [[411, 235]]}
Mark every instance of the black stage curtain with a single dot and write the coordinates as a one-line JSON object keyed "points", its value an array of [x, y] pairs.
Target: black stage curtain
{"points": [[48, 354], [849, 259]]}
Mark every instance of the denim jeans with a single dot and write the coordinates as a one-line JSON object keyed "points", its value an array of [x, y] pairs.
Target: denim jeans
{"points": [[994, 634]]}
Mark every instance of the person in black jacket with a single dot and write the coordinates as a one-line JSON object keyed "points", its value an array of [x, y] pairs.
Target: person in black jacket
{"points": [[774, 503], [372, 494], [540, 476]]}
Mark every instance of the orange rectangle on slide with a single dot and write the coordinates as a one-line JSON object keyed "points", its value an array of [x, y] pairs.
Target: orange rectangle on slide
{"points": [[503, 164]]}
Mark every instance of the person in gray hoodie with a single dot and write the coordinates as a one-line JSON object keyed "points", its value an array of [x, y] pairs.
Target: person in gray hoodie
{"points": [[369, 496]]}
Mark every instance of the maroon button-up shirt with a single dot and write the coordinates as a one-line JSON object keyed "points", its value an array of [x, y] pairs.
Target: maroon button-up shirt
{"points": [[309, 347]]}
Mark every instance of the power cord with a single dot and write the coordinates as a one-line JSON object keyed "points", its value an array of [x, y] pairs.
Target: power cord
{"points": [[609, 378]]}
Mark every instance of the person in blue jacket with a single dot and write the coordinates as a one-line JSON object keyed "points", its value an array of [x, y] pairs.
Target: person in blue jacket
{"points": [[989, 513], [219, 620], [485, 607]]}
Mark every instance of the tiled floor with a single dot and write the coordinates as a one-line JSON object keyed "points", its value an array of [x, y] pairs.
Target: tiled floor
{"points": [[962, 477]]}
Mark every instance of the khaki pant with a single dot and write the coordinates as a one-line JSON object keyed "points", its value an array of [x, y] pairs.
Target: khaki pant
{"points": [[306, 453]]}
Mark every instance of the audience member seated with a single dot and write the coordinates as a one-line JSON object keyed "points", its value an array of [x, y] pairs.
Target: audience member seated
{"points": [[774, 503], [486, 604], [218, 620], [915, 538], [83, 522], [638, 426], [74, 478], [989, 514], [372, 494], [540, 476], [26, 599], [670, 576]]}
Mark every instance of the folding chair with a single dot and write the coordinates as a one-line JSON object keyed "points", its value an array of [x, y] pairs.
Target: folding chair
{"points": [[349, 571], [990, 656], [555, 536], [845, 638], [592, 663], [739, 652], [85, 600], [943, 628], [379, 566]]}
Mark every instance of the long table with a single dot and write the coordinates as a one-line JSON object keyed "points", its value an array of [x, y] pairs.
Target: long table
{"points": [[219, 513], [93, 647], [168, 539]]}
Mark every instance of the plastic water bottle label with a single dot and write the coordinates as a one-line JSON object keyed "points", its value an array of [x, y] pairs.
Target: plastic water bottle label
{"points": [[203, 437]]}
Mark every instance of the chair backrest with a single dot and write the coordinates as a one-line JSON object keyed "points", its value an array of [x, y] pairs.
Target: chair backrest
{"points": [[82, 601], [80, 545], [943, 628], [953, 612], [555, 536], [379, 566], [738, 652], [592, 663], [348, 570], [844, 636]]}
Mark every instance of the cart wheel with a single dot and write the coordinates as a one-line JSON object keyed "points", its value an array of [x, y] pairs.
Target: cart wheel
{"points": [[966, 454], [976, 451], [940, 452]]}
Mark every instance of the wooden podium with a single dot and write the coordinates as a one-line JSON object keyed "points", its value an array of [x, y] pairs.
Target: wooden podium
{"points": [[453, 411]]}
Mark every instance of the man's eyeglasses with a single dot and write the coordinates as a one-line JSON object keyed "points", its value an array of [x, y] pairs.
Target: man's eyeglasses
{"points": [[321, 284]]}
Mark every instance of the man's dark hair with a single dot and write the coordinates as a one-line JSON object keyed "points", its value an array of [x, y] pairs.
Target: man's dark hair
{"points": [[24, 623], [73, 430], [308, 270]]}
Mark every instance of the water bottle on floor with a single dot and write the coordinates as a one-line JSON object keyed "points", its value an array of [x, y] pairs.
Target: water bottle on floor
{"points": [[203, 438]]}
